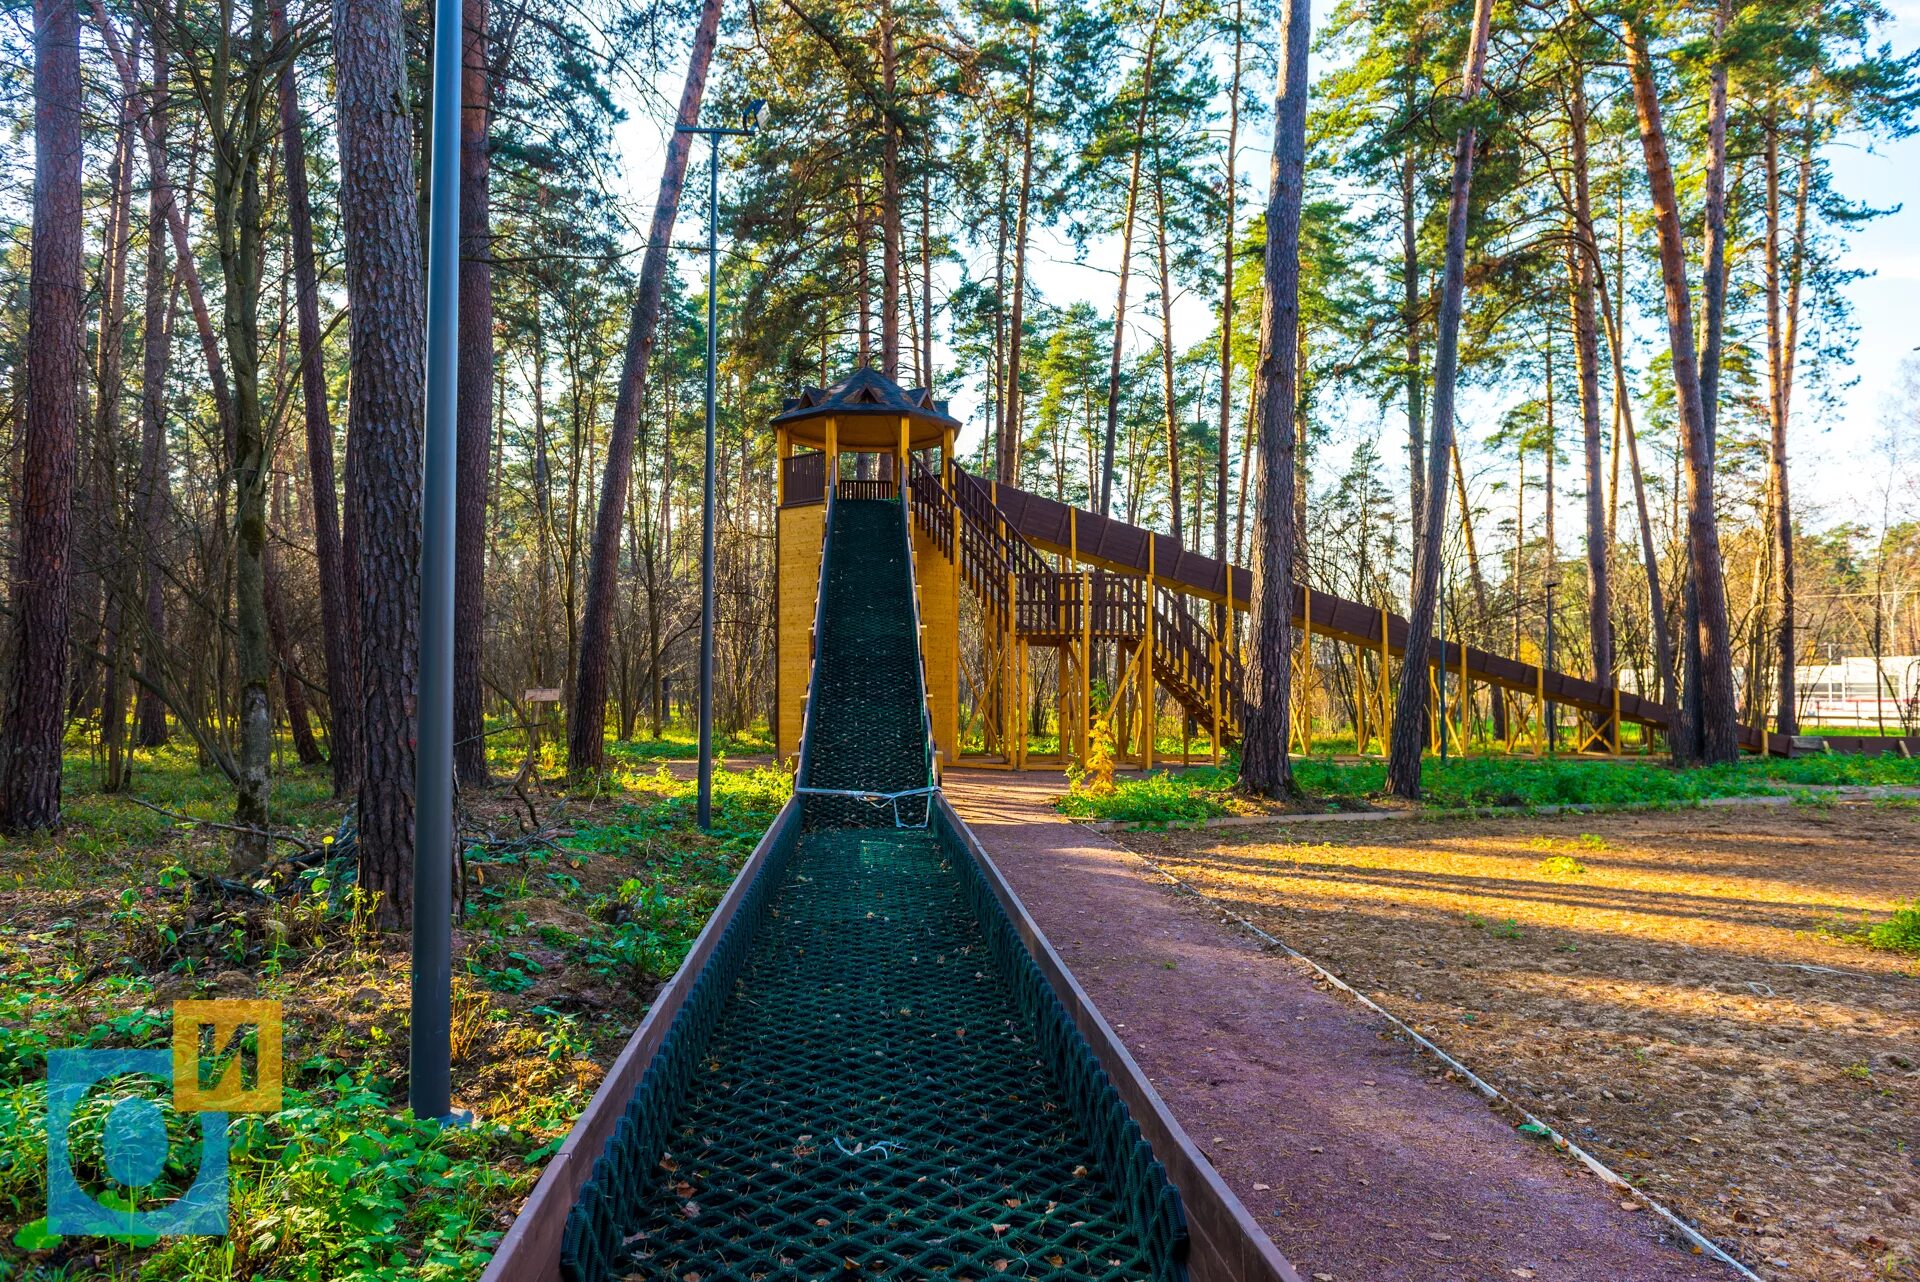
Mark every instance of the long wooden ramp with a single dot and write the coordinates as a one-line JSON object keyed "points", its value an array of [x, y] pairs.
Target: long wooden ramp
{"points": [[1102, 541]]}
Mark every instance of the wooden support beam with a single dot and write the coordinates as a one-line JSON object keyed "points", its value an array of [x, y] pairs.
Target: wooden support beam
{"points": [[1147, 700], [1386, 709]]}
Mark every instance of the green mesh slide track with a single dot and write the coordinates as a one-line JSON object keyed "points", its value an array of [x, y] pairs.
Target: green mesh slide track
{"points": [[871, 1077], [865, 727]]}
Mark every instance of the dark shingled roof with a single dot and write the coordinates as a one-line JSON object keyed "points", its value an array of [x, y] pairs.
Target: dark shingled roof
{"points": [[866, 391]]}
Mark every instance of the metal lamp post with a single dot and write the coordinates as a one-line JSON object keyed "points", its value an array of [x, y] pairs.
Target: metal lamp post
{"points": [[752, 118], [430, 1047]]}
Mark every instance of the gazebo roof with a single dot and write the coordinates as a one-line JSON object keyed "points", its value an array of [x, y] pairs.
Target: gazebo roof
{"points": [[864, 396]]}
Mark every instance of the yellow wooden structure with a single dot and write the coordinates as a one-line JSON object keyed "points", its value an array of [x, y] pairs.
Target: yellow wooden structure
{"points": [[859, 435], [1124, 610]]}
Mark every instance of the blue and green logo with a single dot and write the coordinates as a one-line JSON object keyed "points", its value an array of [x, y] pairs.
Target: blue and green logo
{"points": [[225, 1059]]}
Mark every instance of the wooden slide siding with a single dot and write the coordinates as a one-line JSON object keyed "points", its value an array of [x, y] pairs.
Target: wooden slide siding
{"points": [[801, 532], [1056, 527], [530, 1251]]}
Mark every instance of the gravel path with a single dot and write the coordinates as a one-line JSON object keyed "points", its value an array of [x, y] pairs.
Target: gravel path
{"points": [[1347, 1145]]}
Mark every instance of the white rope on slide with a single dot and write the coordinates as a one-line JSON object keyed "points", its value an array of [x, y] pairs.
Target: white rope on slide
{"points": [[878, 799]]}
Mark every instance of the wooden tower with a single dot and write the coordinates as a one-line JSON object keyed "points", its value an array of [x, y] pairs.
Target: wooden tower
{"points": [[866, 436]]}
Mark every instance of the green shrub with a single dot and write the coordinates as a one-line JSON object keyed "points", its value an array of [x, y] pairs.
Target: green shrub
{"points": [[1900, 933], [1159, 797]]}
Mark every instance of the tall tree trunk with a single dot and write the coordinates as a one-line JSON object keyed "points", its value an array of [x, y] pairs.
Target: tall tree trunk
{"points": [[926, 273], [1715, 732], [1714, 282], [237, 222], [1583, 262], [1166, 350], [339, 623], [863, 257], [1410, 326], [1782, 334], [1232, 195], [587, 722], [1265, 767], [889, 201], [1007, 464], [386, 296], [474, 401], [156, 344], [293, 692], [1656, 597], [108, 534], [1126, 259], [185, 262], [30, 764], [1410, 703]]}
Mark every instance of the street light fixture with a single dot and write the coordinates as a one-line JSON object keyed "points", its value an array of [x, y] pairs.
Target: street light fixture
{"points": [[430, 1038], [754, 117]]}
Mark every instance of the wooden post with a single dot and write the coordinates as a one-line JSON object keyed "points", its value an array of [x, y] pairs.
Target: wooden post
{"points": [[1306, 672], [1146, 663], [905, 445], [785, 449], [1436, 714], [833, 455], [1362, 700], [1539, 707], [1086, 662], [1214, 658], [1023, 656], [1009, 670], [1616, 721], [1386, 709], [953, 581], [1466, 698], [1233, 625]]}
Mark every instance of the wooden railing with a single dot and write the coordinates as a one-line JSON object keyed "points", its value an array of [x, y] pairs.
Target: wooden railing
{"points": [[932, 506], [856, 488], [1063, 605], [805, 479], [1184, 655], [1099, 604]]}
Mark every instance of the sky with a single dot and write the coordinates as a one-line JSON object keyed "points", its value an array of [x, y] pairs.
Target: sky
{"points": [[1830, 448]]}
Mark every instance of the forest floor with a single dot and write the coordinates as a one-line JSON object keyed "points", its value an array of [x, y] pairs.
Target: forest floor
{"points": [[576, 908], [1689, 995]]}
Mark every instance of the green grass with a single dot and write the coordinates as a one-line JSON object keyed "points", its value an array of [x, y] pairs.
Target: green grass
{"points": [[560, 948], [1488, 781], [682, 743], [1159, 797]]}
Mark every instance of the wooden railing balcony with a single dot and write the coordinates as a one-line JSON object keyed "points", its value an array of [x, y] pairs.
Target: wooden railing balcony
{"points": [[804, 479]]}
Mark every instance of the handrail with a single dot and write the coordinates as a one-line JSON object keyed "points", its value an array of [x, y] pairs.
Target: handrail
{"points": [[819, 625], [919, 654]]}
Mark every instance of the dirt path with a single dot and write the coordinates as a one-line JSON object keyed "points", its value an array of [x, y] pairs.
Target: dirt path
{"points": [[1684, 994], [1348, 1146]]}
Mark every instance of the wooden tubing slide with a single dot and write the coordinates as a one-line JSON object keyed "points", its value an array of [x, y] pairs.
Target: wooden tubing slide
{"points": [[1102, 541]]}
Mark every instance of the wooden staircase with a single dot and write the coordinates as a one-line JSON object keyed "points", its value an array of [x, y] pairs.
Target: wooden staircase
{"points": [[1015, 582]]}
